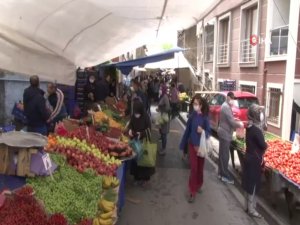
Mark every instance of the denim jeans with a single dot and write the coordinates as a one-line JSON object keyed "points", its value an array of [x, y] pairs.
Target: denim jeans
{"points": [[164, 140]]}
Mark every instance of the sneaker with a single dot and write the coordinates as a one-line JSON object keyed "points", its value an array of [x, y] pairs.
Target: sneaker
{"points": [[226, 180], [255, 214], [191, 198], [162, 152]]}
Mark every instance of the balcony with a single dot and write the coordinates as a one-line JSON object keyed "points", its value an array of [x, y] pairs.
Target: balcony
{"points": [[223, 54], [248, 52]]}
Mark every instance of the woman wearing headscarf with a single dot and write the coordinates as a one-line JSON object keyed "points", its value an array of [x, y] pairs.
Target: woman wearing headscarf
{"points": [[138, 128], [164, 121], [255, 149]]}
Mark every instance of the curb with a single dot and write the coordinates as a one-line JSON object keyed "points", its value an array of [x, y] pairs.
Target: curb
{"points": [[236, 191]]}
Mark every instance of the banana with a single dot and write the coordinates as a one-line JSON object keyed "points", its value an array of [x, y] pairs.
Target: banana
{"points": [[105, 216], [96, 221], [105, 222], [106, 182], [106, 205]]}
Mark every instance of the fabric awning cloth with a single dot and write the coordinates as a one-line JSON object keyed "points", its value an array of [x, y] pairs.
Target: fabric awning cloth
{"points": [[52, 38], [179, 61], [127, 66]]}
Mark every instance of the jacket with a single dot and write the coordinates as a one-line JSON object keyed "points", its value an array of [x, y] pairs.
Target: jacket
{"points": [[35, 107], [227, 123], [56, 101], [190, 134]]}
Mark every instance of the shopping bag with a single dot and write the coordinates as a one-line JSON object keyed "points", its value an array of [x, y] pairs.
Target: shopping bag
{"points": [[148, 155], [149, 152], [136, 145], [202, 150]]}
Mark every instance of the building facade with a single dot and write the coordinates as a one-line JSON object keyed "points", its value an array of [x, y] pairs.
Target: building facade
{"points": [[252, 44]]}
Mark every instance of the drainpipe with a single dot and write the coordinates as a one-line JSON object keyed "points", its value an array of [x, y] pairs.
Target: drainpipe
{"points": [[288, 90], [264, 85]]}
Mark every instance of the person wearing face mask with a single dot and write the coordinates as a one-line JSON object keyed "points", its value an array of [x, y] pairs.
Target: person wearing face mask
{"points": [[164, 110], [255, 149], [138, 127], [196, 124], [227, 125], [89, 92]]}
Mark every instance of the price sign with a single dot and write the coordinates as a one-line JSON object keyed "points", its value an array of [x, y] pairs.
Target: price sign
{"points": [[47, 161]]}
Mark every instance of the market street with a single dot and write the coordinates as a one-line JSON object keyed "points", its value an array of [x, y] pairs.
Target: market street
{"points": [[164, 201]]}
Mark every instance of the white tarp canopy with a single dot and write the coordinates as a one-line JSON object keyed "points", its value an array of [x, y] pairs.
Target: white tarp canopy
{"points": [[53, 37], [179, 61]]}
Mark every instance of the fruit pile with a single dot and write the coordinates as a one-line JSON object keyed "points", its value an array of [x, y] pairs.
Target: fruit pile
{"points": [[101, 117], [107, 204], [73, 194], [278, 156], [101, 142], [82, 156]]}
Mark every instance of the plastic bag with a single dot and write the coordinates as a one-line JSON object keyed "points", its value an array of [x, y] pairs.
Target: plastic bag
{"points": [[296, 144], [136, 145], [203, 147]]}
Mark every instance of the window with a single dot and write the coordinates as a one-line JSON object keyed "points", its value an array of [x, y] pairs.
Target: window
{"points": [[274, 102], [223, 39], [249, 27], [248, 88], [209, 43], [245, 103], [218, 100], [279, 28]]}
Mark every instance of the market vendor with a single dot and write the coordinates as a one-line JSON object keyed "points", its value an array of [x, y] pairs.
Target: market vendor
{"points": [[55, 99], [35, 107], [102, 89]]}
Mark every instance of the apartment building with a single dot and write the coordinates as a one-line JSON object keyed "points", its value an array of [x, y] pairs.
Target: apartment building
{"points": [[252, 43]]}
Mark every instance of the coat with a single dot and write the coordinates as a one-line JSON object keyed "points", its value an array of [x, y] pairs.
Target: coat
{"points": [[35, 107], [227, 123], [164, 107], [255, 148]]}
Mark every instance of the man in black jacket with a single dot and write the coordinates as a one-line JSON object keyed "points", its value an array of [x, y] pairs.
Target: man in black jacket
{"points": [[35, 107]]}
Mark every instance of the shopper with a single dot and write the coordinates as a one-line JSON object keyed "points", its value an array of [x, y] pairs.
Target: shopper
{"points": [[255, 149], [102, 89], [174, 99], [138, 128], [227, 125], [55, 99], [137, 93], [196, 124], [35, 108], [164, 118]]}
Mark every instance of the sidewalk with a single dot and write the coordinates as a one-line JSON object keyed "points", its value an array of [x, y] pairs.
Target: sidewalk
{"points": [[164, 201], [275, 215]]}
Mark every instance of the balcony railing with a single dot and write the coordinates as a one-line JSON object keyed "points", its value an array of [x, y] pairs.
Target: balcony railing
{"points": [[223, 53], [248, 52], [279, 40]]}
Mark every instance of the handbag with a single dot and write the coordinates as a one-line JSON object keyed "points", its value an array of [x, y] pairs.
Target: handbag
{"points": [[149, 152], [203, 147]]}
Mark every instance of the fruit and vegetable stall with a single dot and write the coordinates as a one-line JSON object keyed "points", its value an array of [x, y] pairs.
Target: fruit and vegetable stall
{"points": [[84, 180], [282, 167]]}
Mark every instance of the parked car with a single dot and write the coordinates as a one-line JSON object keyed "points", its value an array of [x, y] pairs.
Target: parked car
{"points": [[240, 108]]}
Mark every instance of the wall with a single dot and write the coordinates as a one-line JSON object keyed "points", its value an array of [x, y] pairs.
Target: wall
{"points": [[13, 86], [191, 45]]}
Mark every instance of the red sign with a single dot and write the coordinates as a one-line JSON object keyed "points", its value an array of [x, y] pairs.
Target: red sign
{"points": [[253, 40]]}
